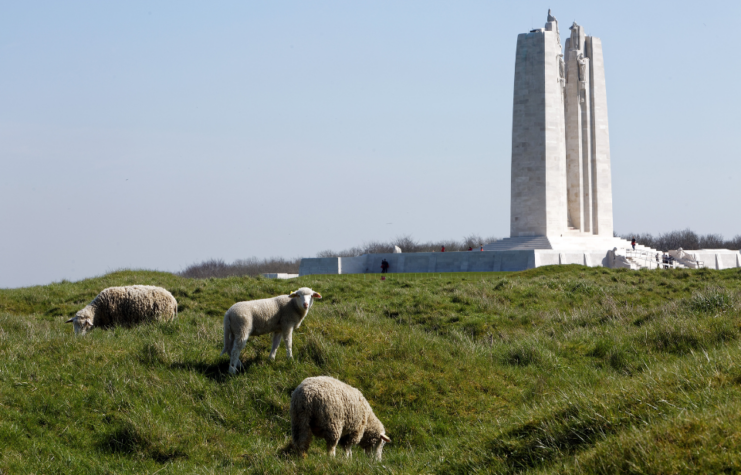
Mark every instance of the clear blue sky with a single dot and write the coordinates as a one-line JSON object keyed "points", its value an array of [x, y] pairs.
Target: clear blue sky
{"points": [[159, 134]]}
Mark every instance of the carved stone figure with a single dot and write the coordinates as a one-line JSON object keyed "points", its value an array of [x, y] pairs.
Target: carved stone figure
{"points": [[582, 68], [561, 67]]}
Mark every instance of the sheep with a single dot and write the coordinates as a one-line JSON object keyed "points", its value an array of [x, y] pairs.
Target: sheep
{"points": [[126, 306], [278, 315], [336, 412]]}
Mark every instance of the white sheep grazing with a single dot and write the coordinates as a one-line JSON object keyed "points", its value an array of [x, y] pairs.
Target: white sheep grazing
{"points": [[126, 306], [278, 315], [336, 412]]}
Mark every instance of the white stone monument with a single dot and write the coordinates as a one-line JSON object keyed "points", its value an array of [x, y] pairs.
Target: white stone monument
{"points": [[561, 178], [561, 209]]}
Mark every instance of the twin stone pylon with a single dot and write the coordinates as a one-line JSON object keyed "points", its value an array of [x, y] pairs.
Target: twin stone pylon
{"points": [[561, 179]]}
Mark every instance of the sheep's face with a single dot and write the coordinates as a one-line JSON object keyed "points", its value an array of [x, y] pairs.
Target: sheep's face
{"points": [[304, 297], [373, 442], [377, 451], [82, 321]]}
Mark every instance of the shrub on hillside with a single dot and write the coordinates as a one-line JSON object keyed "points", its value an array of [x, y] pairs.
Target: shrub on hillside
{"points": [[711, 301]]}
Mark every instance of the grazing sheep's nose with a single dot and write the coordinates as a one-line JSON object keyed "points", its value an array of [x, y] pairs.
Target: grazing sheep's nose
{"points": [[306, 305]]}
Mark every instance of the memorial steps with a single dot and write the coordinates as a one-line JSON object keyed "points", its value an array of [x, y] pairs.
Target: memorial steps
{"points": [[525, 243]]}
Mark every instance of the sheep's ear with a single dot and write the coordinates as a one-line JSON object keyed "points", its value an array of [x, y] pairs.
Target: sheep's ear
{"points": [[316, 295], [293, 294], [385, 438], [71, 320]]}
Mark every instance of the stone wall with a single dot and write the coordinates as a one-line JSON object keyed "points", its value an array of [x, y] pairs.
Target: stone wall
{"points": [[488, 261], [471, 261]]}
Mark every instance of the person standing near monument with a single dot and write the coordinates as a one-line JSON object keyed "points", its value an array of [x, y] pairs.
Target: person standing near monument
{"points": [[443, 249], [384, 266], [633, 243]]}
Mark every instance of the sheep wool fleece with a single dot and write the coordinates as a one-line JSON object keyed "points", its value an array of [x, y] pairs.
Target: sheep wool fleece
{"points": [[337, 412], [131, 305], [258, 317], [278, 315]]}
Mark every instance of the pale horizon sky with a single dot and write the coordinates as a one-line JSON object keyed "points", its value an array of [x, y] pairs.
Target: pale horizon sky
{"points": [[157, 135]]}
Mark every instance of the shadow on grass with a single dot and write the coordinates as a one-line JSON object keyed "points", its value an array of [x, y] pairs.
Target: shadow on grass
{"points": [[127, 439], [218, 371]]}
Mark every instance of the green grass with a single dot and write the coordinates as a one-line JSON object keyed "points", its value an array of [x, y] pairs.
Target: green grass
{"points": [[554, 370]]}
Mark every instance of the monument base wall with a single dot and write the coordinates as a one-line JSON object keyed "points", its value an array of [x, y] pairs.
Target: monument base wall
{"points": [[471, 261], [488, 261], [718, 259]]}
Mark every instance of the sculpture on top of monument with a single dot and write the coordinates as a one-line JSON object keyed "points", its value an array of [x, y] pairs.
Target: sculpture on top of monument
{"points": [[552, 25], [561, 174], [575, 36]]}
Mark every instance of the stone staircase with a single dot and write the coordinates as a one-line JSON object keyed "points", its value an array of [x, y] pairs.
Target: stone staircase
{"points": [[525, 243], [635, 260]]}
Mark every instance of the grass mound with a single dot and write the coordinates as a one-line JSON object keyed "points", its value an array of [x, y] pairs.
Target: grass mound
{"points": [[553, 370]]}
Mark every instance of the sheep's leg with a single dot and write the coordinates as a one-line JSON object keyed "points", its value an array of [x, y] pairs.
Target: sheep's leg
{"points": [[288, 336], [349, 440], [276, 343], [333, 438], [228, 341], [301, 434], [237, 347], [346, 444], [332, 446], [302, 442]]}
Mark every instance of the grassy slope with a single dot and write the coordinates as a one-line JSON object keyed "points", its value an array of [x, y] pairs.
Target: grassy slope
{"points": [[563, 369]]}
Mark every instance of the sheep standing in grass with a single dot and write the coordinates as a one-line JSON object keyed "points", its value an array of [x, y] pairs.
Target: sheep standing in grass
{"points": [[336, 412], [126, 306], [278, 315]]}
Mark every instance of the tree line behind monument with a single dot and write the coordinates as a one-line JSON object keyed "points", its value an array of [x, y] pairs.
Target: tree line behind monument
{"points": [[686, 239]]}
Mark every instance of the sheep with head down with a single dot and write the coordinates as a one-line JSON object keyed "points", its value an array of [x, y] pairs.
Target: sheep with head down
{"points": [[327, 408], [278, 315], [125, 306]]}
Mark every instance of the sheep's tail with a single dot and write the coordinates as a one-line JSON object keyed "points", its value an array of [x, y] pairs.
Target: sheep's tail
{"points": [[228, 337]]}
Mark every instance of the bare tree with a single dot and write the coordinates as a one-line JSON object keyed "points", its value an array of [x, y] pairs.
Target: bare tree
{"points": [[686, 239], [251, 266], [712, 241], [409, 244]]}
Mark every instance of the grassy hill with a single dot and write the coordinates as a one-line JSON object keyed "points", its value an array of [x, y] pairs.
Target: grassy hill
{"points": [[554, 370]]}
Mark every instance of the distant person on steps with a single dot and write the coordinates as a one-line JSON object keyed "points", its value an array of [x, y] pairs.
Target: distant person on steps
{"points": [[443, 249], [633, 243]]}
